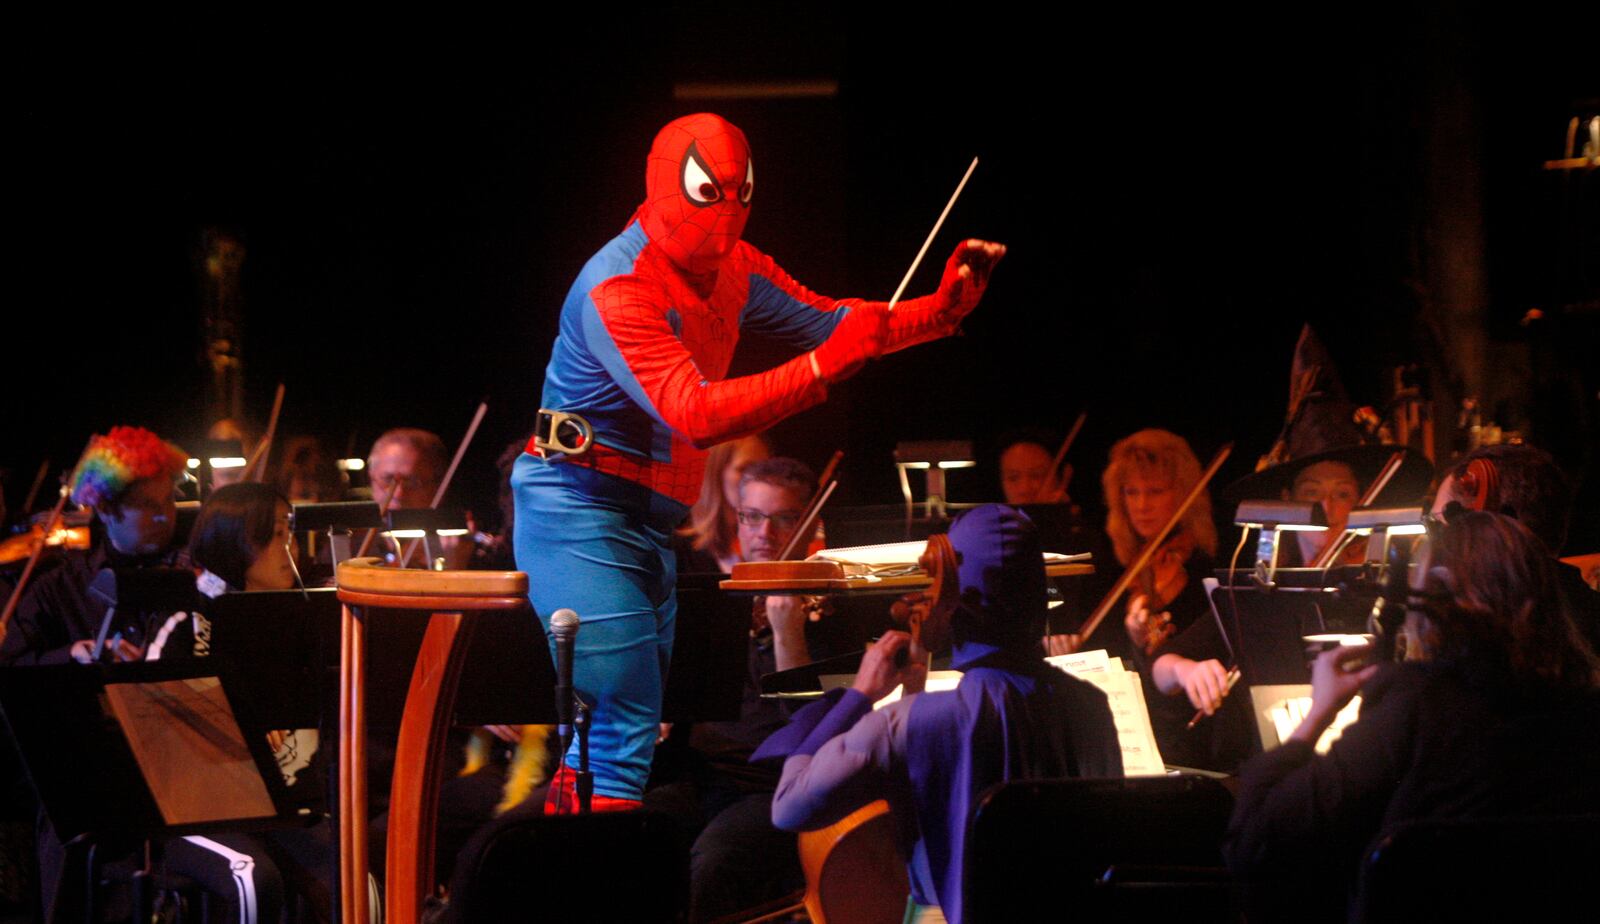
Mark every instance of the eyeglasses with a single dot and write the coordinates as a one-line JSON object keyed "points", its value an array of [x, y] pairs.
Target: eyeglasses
{"points": [[780, 521]]}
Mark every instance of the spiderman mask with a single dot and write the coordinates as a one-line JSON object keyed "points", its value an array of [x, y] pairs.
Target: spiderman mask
{"points": [[698, 182]]}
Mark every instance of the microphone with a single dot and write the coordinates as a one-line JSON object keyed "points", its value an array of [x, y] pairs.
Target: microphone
{"points": [[564, 629]]}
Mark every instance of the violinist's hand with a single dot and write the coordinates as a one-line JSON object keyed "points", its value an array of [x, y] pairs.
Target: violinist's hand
{"points": [[1063, 644], [1137, 620], [859, 337], [275, 739], [966, 276], [879, 675], [1204, 682], [787, 616], [1336, 676]]}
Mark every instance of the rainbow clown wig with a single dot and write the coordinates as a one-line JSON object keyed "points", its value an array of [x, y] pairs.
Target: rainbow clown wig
{"points": [[118, 459]]}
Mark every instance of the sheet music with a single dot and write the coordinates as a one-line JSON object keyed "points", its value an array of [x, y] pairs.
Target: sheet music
{"points": [[1282, 707], [190, 750], [937, 682], [1125, 695], [898, 555]]}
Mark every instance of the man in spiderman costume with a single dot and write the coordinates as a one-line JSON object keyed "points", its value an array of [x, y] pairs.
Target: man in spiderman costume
{"points": [[647, 333]]}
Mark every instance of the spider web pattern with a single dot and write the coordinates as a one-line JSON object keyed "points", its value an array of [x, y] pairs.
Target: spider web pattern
{"points": [[679, 367]]}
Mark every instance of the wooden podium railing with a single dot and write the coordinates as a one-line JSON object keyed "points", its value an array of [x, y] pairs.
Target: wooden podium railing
{"points": [[453, 598]]}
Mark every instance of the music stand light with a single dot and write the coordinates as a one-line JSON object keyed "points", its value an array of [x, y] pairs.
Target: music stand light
{"points": [[933, 457], [1378, 524], [1272, 517]]}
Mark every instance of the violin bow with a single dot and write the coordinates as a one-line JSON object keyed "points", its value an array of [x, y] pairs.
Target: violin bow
{"points": [[830, 468], [1150, 547], [38, 549], [1066, 444], [808, 521], [258, 459]]}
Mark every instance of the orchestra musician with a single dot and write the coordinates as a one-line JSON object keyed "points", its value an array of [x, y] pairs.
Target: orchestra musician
{"points": [[646, 336], [713, 522], [932, 755], [1500, 717], [128, 478], [1332, 484], [405, 468], [1149, 474], [1524, 482], [1027, 475]]}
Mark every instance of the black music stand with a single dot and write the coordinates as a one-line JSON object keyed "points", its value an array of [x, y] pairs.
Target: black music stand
{"points": [[146, 750], [1266, 628]]}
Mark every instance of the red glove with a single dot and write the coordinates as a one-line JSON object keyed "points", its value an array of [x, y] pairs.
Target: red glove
{"points": [[858, 338], [966, 276]]}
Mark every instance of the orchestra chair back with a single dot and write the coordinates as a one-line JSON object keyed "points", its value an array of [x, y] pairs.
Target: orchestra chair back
{"points": [[854, 871], [1525, 868], [605, 867], [1130, 849], [452, 599]]}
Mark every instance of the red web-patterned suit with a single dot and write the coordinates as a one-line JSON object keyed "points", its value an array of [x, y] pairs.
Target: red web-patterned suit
{"points": [[647, 332]]}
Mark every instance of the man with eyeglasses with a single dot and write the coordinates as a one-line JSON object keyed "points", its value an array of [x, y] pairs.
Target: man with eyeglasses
{"points": [[738, 859], [405, 467]]}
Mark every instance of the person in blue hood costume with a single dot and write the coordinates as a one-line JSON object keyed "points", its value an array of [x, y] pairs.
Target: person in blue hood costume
{"points": [[932, 755]]}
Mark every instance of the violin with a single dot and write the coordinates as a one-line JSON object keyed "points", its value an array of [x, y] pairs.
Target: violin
{"points": [[71, 532], [1160, 582]]}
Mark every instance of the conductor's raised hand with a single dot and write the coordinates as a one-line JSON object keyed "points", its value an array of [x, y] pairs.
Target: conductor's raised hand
{"points": [[966, 277], [858, 338], [880, 672]]}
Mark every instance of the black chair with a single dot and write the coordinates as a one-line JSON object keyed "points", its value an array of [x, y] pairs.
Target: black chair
{"points": [[614, 866], [1139, 847], [1532, 868]]}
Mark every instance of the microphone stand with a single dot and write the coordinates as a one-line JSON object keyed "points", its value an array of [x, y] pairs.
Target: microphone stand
{"points": [[584, 778]]}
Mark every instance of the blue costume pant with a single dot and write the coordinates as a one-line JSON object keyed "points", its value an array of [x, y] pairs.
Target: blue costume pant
{"points": [[598, 545]]}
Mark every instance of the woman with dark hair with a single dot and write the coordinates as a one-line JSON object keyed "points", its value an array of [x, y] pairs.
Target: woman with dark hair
{"points": [[1497, 714], [242, 536]]}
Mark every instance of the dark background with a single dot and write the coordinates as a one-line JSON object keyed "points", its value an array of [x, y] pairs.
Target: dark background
{"points": [[1178, 195]]}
